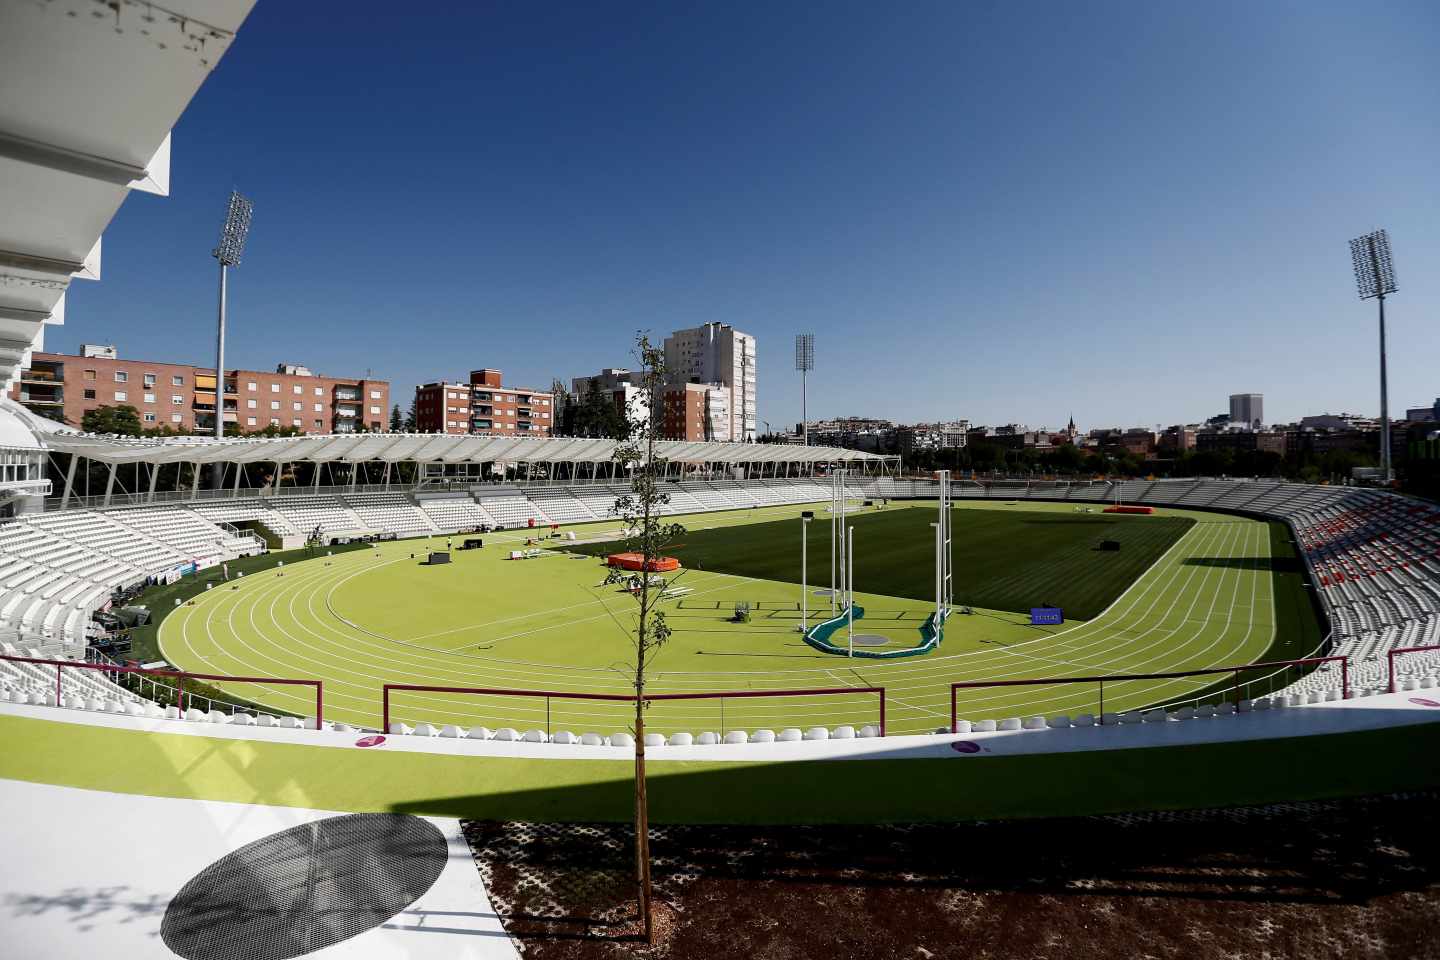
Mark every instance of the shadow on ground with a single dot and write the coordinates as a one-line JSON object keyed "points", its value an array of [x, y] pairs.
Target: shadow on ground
{"points": [[1355, 879]]}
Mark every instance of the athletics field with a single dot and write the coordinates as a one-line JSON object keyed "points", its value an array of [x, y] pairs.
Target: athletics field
{"points": [[1188, 590]]}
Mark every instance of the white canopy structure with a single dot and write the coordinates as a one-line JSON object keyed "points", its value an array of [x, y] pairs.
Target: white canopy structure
{"points": [[432, 448], [90, 92]]}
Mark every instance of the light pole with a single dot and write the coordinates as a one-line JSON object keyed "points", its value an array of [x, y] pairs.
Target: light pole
{"points": [[804, 362], [229, 251], [1374, 278]]}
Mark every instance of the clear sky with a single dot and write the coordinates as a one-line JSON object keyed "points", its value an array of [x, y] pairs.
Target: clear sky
{"points": [[993, 210]]}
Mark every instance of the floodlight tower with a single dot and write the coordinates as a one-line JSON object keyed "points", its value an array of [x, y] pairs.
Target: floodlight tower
{"points": [[228, 253], [1374, 278], [804, 362]]}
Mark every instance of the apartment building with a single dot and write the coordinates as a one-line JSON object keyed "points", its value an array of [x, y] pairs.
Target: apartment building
{"points": [[696, 411], [181, 397], [484, 405], [618, 385], [717, 353]]}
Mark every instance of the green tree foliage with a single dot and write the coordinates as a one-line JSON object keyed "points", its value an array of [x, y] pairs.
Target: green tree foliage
{"points": [[123, 420], [397, 420]]}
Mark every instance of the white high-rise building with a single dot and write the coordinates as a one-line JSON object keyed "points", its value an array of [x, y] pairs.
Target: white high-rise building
{"points": [[718, 353]]}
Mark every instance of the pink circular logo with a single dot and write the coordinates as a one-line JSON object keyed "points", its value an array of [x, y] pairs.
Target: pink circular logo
{"points": [[1422, 701], [373, 740], [965, 746]]}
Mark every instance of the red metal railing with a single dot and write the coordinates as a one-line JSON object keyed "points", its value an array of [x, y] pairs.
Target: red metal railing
{"points": [[1390, 659], [1122, 677], [722, 696], [180, 676]]}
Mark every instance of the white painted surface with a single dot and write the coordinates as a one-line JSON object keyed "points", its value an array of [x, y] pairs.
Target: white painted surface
{"points": [[89, 874]]}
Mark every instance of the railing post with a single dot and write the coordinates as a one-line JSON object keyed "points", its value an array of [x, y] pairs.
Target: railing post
{"points": [[1390, 656], [547, 717], [882, 711], [320, 704], [1237, 691], [1102, 703], [57, 684], [722, 718], [1345, 678], [385, 708]]}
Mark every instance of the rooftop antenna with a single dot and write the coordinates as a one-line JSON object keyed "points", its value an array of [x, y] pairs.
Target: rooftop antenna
{"points": [[229, 251], [804, 362], [1374, 278]]}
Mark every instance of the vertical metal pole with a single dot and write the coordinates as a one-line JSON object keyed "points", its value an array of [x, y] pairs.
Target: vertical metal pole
{"points": [[1385, 471], [804, 416], [804, 575], [220, 374], [850, 586]]}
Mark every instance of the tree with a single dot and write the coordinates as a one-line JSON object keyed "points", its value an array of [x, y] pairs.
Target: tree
{"points": [[410, 419], [648, 536], [397, 420], [123, 420], [562, 409]]}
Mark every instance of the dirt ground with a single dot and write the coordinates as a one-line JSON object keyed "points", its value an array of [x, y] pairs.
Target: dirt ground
{"points": [[1354, 879]]}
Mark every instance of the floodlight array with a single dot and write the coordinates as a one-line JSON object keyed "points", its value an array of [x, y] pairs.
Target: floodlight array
{"points": [[804, 352], [1374, 270], [236, 229]]}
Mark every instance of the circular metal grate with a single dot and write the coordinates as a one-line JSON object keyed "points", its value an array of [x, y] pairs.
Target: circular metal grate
{"points": [[305, 888]]}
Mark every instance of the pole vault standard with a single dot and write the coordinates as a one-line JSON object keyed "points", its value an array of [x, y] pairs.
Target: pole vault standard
{"points": [[850, 587]]}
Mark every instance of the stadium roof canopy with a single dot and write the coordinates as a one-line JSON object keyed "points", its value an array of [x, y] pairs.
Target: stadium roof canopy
{"points": [[91, 91], [428, 448]]}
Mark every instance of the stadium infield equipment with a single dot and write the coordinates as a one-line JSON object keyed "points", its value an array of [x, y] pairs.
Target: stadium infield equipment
{"points": [[361, 620]]}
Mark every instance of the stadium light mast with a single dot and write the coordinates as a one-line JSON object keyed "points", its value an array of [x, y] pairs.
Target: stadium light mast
{"points": [[804, 362], [1374, 278], [229, 251]]}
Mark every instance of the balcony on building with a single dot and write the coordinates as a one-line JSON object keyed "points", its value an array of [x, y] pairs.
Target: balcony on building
{"points": [[43, 372], [347, 394], [483, 410], [347, 413], [482, 424]]}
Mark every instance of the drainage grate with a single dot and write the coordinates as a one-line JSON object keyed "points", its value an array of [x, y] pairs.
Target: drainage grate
{"points": [[305, 888]]}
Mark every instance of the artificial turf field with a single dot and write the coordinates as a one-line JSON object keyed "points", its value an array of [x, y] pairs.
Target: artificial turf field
{"points": [[1227, 591]]}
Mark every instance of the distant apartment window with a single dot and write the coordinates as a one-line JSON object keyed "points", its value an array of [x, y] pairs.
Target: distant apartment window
{"points": [[149, 379], [251, 386], [149, 418], [121, 395], [176, 418], [149, 398], [374, 410], [297, 388], [89, 374], [319, 392], [298, 407], [89, 394], [250, 404], [177, 381], [176, 399], [374, 394], [319, 408], [274, 388], [295, 422], [319, 425], [274, 422], [274, 404], [121, 376]]}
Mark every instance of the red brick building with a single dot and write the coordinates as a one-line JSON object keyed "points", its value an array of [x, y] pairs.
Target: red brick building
{"points": [[182, 396], [484, 405]]}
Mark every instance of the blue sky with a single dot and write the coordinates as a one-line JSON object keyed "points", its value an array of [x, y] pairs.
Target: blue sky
{"points": [[999, 211]]}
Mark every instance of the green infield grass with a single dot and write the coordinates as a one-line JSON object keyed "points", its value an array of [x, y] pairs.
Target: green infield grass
{"points": [[1215, 590], [1006, 559]]}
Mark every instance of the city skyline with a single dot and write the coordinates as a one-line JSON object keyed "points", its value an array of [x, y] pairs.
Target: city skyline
{"points": [[1169, 220]]}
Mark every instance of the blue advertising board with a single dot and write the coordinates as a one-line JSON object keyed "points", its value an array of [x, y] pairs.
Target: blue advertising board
{"points": [[1046, 616]]}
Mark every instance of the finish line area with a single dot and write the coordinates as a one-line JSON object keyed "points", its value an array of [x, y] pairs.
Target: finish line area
{"points": [[360, 620]]}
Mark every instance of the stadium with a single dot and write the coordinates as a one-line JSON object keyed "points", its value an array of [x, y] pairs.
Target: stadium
{"points": [[406, 639]]}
